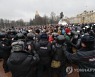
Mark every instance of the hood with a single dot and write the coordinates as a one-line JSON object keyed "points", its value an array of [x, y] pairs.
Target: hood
{"points": [[17, 58]]}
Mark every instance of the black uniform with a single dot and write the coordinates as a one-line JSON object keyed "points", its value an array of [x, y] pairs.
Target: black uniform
{"points": [[22, 63], [84, 58], [58, 56], [43, 48], [5, 50]]}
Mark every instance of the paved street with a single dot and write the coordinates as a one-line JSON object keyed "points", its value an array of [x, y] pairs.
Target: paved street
{"points": [[2, 74]]}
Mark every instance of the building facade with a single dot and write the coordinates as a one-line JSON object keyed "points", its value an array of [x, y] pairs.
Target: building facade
{"points": [[83, 18]]}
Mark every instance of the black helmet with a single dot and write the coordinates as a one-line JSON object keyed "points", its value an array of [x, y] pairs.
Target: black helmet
{"points": [[88, 40], [60, 39], [30, 36], [55, 36], [74, 34], [12, 32], [24, 32], [2, 35], [18, 46], [20, 36]]}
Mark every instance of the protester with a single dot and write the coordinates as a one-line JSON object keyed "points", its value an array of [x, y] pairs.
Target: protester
{"points": [[43, 41]]}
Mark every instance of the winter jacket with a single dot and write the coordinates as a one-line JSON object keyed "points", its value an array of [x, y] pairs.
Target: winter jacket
{"points": [[43, 48], [85, 59], [22, 63]]}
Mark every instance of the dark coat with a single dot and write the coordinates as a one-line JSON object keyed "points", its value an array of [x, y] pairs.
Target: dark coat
{"points": [[5, 50], [5, 53], [58, 53], [85, 59], [22, 63], [43, 48]]}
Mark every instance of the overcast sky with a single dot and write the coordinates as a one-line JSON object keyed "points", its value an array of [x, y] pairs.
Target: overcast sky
{"points": [[25, 9]]}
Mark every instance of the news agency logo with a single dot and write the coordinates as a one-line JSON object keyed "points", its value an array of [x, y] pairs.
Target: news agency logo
{"points": [[69, 69]]}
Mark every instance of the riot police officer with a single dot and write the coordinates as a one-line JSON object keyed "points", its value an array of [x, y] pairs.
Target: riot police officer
{"points": [[5, 49], [21, 63], [43, 48], [85, 57], [58, 63]]}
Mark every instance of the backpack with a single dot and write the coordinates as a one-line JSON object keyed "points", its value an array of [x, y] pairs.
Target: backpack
{"points": [[58, 56], [55, 64]]}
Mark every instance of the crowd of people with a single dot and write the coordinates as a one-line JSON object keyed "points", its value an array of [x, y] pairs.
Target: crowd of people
{"points": [[39, 51]]}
